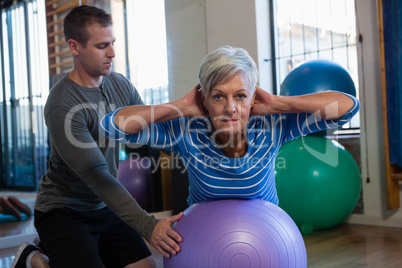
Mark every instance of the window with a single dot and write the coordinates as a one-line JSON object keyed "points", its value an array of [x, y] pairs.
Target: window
{"points": [[314, 29], [24, 80], [146, 49]]}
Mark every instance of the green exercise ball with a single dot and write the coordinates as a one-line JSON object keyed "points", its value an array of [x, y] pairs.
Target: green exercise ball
{"points": [[318, 182]]}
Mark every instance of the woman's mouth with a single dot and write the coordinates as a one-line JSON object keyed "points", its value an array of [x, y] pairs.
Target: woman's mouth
{"points": [[230, 120]]}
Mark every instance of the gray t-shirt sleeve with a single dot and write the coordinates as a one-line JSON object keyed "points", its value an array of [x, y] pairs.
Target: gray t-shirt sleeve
{"points": [[77, 148], [83, 164]]}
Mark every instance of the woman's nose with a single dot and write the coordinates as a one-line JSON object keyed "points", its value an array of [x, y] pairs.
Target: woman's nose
{"points": [[230, 106]]}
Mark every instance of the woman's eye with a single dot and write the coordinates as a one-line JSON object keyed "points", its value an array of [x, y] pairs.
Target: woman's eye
{"points": [[218, 97], [241, 96]]}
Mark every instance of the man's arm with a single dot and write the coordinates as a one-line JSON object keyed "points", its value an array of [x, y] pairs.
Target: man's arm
{"points": [[79, 151]]}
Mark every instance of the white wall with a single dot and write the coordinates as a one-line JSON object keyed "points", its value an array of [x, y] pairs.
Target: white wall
{"points": [[198, 27], [195, 28], [186, 44], [240, 23], [231, 22]]}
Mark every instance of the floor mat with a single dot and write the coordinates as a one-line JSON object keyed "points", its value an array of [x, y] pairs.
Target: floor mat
{"points": [[10, 218]]}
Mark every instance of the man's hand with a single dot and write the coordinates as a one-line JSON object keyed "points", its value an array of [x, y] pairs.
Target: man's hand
{"points": [[164, 238]]}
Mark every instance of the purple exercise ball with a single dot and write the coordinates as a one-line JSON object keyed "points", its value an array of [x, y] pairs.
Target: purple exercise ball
{"points": [[238, 233], [135, 175]]}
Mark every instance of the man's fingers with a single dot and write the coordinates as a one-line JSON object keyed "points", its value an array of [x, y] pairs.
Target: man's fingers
{"points": [[164, 238], [174, 235], [168, 247], [175, 218], [172, 243], [163, 252]]}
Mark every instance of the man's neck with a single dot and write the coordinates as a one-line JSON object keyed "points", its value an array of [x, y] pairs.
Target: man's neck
{"points": [[85, 80]]}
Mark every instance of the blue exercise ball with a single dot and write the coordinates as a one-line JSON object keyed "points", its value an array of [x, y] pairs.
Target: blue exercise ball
{"points": [[318, 182], [317, 76], [238, 233]]}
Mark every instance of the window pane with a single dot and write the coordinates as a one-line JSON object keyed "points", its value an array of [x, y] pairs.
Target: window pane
{"points": [[147, 49], [25, 86], [315, 29]]}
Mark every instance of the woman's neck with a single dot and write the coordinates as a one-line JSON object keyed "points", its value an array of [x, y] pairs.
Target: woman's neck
{"points": [[233, 146]]}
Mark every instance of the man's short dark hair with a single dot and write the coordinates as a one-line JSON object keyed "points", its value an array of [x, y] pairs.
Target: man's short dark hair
{"points": [[79, 18]]}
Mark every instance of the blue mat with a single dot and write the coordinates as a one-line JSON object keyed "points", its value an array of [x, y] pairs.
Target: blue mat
{"points": [[9, 218]]}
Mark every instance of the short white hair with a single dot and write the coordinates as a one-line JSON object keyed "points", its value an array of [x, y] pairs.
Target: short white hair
{"points": [[224, 63]]}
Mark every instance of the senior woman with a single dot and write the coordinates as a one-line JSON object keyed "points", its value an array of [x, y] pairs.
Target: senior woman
{"points": [[228, 131]]}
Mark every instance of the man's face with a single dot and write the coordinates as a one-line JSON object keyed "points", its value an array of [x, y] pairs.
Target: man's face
{"points": [[96, 58]]}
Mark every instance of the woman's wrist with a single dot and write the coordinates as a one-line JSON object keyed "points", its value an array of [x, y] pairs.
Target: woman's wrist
{"points": [[280, 104], [181, 107]]}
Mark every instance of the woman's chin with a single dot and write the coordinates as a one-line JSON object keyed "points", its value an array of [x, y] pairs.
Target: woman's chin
{"points": [[229, 131]]}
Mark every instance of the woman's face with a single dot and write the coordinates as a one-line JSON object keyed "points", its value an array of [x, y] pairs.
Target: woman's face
{"points": [[229, 105]]}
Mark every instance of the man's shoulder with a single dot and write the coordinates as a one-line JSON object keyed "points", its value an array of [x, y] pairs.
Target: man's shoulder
{"points": [[59, 89], [117, 80], [63, 94], [117, 85], [115, 76]]}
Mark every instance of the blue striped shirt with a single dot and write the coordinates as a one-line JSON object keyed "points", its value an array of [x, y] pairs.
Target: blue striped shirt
{"points": [[211, 173]]}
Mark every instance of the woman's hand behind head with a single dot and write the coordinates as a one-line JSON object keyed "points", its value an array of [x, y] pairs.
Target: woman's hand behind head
{"points": [[263, 102], [193, 103]]}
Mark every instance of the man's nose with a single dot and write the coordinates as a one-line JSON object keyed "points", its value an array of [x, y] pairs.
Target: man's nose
{"points": [[110, 52]]}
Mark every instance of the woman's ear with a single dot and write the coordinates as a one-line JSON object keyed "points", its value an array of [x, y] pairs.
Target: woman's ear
{"points": [[202, 98], [252, 101]]}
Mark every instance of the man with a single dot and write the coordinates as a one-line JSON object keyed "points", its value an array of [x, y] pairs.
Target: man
{"points": [[83, 215]]}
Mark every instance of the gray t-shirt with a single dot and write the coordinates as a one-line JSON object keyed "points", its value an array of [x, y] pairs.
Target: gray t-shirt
{"points": [[83, 162]]}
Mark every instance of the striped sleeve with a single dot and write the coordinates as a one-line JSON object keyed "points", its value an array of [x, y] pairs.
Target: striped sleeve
{"points": [[300, 124], [163, 135], [108, 127]]}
